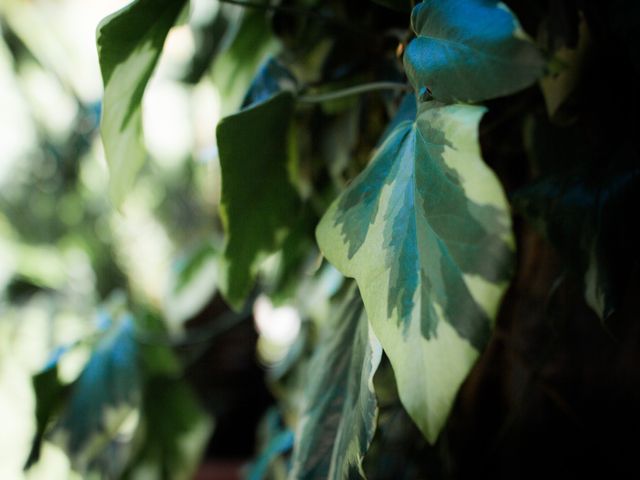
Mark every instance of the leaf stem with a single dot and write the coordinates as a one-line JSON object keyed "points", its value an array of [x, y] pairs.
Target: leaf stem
{"points": [[355, 90]]}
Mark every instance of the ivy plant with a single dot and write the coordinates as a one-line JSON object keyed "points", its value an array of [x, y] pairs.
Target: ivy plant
{"points": [[424, 229], [358, 153]]}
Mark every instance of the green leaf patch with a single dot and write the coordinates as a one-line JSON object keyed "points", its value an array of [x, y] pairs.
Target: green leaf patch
{"points": [[259, 204]]}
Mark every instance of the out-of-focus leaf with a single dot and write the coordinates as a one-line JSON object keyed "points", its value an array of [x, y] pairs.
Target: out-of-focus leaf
{"points": [[154, 352], [189, 267], [273, 77], [559, 87], [581, 205], [469, 51], [50, 394], [106, 393], [235, 68], [339, 414], [213, 25], [175, 429], [398, 449], [425, 230], [194, 282], [292, 262], [338, 142], [279, 442], [259, 205], [129, 44]]}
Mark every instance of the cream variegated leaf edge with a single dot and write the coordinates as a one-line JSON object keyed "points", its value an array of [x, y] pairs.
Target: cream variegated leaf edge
{"points": [[426, 232], [340, 408], [129, 45]]}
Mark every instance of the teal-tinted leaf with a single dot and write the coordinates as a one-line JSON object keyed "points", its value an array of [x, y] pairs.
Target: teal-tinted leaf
{"points": [[129, 45], [273, 77], [107, 391], [259, 205], [280, 443], [469, 50], [175, 429], [339, 414], [425, 231], [406, 112]]}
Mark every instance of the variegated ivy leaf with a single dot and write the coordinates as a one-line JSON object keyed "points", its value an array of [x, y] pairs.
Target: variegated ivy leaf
{"points": [[469, 50], [339, 416], [425, 231], [129, 45]]}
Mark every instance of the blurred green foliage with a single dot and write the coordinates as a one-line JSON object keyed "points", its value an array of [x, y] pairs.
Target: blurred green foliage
{"points": [[74, 268]]}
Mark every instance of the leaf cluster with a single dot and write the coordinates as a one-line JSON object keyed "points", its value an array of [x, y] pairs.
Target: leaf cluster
{"points": [[368, 183]]}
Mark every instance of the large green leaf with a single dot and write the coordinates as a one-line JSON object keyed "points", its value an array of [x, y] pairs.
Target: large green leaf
{"points": [[259, 204], [129, 45], [339, 416], [469, 50], [425, 231], [106, 393]]}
